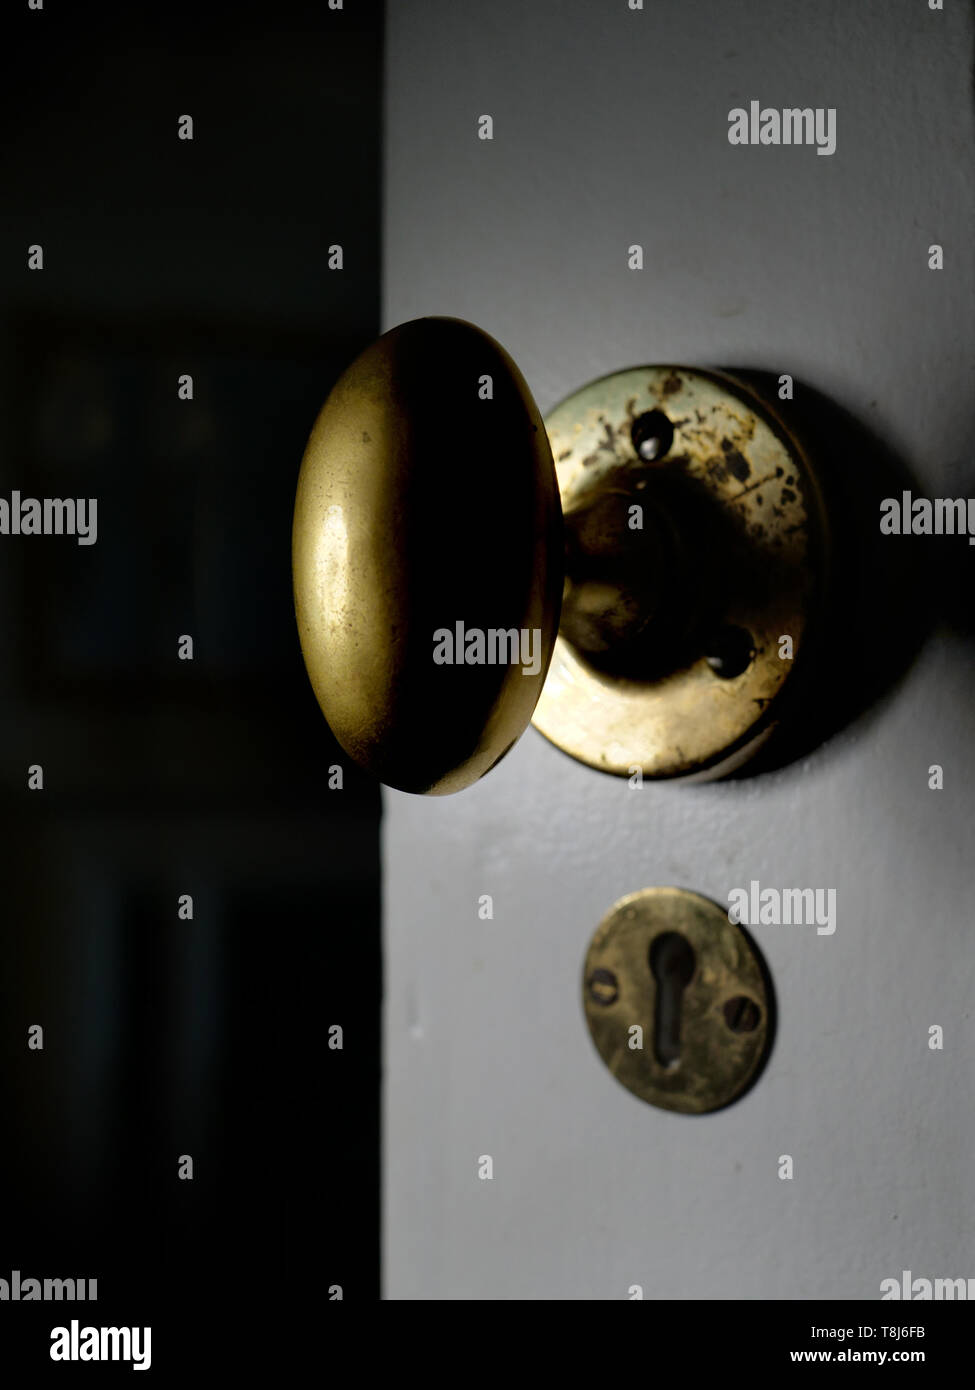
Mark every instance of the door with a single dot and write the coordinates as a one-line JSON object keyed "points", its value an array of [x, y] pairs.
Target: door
{"points": [[610, 128]]}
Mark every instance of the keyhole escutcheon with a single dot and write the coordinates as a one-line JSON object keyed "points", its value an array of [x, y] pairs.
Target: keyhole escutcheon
{"points": [[672, 966], [673, 962]]}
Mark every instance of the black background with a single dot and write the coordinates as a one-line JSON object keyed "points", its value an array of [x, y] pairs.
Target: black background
{"points": [[162, 777]]}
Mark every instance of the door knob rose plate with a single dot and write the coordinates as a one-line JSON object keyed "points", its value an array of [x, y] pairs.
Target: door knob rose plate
{"points": [[678, 532], [696, 556]]}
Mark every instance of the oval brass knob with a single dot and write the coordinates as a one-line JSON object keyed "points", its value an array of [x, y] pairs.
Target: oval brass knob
{"points": [[431, 564], [427, 556]]}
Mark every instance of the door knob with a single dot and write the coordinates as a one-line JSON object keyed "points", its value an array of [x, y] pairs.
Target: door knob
{"points": [[442, 529]]}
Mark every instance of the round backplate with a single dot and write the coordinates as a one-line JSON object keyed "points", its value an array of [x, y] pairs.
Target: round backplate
{"points": [[713, 1032], [739, 469]]}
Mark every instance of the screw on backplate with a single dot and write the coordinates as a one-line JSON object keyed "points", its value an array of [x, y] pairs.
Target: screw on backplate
{"points": [[652, 435], [729, 651], [603, 986], [741, 1014]]}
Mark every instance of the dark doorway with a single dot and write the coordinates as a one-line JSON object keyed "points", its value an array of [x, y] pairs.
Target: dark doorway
{"points": [[164, 778]]}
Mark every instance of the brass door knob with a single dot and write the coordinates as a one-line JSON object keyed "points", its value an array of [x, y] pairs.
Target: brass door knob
{"points": [[441, 526]]}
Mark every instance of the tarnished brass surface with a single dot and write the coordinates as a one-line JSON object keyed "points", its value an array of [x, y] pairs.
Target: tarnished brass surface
{"points": [[732, 550], [420, 505], [724, 1015]]}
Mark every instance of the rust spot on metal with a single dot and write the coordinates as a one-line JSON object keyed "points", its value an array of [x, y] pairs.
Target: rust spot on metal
{"points": [[752, 486], [716, 468], [671, 384], [565, 454], [738, 465]]}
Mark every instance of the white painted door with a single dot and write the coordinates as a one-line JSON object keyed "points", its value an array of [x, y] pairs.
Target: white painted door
{"points": [[611, 128]]}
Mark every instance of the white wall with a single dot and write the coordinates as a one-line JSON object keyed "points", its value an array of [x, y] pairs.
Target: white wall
{"points": [[611, 128]]}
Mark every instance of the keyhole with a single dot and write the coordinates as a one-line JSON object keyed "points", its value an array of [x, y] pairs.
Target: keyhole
{"points": [[672, 965]]}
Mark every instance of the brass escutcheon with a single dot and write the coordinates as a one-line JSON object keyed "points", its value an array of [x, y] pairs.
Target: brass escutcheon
{"points": [[678, 1000]]}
